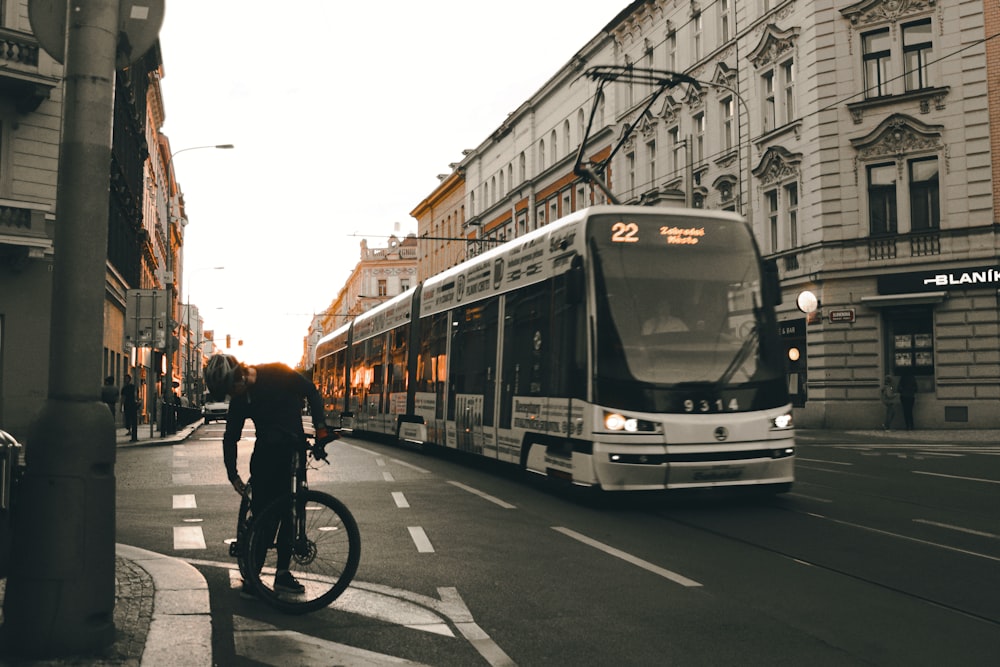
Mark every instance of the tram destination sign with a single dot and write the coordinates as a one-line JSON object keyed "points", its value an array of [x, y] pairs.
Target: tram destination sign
{"points": [[935, 280]]}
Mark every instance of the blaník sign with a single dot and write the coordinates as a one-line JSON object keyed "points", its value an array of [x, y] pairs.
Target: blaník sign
{"points": [[935, 280]]}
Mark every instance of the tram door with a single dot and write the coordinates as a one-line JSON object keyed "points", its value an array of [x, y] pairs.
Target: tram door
{"points": [[472, 381]]}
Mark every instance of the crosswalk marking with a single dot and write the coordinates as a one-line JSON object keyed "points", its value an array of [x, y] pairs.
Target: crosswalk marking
{"points": [[400, 500], [188, 537], [184, 501]]}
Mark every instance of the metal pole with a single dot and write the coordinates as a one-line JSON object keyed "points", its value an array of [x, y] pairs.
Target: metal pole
{"points": [[60, 593]]}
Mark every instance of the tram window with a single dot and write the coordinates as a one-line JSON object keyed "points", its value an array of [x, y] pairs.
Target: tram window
{"points": [[527, 345]]}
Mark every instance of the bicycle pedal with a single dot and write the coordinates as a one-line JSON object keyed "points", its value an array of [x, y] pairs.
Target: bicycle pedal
{"points": [[234, 549]]}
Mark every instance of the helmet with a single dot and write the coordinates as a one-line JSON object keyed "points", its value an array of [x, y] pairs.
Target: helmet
{"points": [[220, 374]]}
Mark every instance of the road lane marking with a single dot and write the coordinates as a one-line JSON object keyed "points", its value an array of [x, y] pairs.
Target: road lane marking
{"points": [[628, 558], [421, 540], [904, 537], [184, 501], [188, 537], [462, 618], [960, 529], [484, 496], [967, 479], [833, 463], [400, 500], [387, 477]]}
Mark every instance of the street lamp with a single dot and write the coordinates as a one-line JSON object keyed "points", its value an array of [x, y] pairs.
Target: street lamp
{"points": [[168, 388]]}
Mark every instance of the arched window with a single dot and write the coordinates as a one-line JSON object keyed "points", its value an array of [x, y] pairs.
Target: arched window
{"points": [[523, 167], [567, 142], [555, 147], [501, 184], [541, 155]]}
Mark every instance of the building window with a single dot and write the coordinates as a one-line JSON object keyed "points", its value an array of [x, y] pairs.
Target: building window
{"points": [[725, 19], [404, 284], [876, 47], [539, 216], [792, 213], [522, 167], [882, 199], [651, 152], [553, 209], [697, 27], [567, 201], [925, 207], [581, 197], [771, 196], [555, 147], [916, 54], [630, 171], [728, 110], [541, 155], [383, 288], [672, 50], [767, 97], [788, 83], [674, 147], [699, 137]]}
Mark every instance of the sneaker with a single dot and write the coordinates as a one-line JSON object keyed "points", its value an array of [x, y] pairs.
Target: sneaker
{"points": [[284, 582]]}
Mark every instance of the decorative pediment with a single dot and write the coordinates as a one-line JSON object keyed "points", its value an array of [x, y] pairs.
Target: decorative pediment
{"points": [[898, 135], [773, 44], [776, 165], [879, 11], [724, 75], [646, 125], [694, 97], [670, 111]]}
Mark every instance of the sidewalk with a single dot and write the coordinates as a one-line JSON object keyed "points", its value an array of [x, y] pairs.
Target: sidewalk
{"points": [[162, 612], [985, 437]]}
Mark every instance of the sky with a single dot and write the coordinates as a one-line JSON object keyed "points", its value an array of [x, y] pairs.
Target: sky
{"points": [[342, 114]]}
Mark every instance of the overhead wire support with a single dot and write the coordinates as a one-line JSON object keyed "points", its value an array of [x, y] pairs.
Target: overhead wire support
{"points": [[663, 80]]}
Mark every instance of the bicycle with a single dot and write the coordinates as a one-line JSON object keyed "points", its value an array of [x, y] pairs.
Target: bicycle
{"points": [[318, 530]]}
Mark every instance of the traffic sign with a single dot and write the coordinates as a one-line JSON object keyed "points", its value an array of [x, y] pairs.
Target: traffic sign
{"points": [[139, 24]]}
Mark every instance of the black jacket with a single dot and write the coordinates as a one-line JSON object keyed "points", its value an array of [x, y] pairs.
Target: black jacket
{"points": [[274, 403]]}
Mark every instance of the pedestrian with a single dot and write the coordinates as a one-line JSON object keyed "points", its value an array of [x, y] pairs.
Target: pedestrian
{"points": [[907, 396], [889, 399], [271, 395], [109, 394], [130, 407]]}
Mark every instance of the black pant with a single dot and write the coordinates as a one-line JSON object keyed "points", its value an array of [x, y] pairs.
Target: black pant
{"points": [[270, 479], [907, 403], [132, 420]]}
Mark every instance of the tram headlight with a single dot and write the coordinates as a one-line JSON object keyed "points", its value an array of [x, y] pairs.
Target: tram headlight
{"points": [[615, 421], [783, 422]]}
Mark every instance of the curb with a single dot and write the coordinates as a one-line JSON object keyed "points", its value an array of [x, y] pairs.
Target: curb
{"points": [[180, 632]]}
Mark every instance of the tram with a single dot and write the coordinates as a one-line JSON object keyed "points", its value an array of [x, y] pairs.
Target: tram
{"points": [[555, 352]]}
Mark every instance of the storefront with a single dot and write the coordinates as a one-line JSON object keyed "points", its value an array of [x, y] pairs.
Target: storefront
{"points": [[941, 325]]}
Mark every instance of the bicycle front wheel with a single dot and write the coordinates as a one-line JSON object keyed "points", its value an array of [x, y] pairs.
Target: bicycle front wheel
{"points": [[322, 556]]}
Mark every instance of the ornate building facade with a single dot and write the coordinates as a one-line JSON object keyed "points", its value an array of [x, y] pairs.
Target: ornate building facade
{"points": [[854, 138]]}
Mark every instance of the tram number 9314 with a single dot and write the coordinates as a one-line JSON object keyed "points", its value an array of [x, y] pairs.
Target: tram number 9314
{"points": [[716, 405]]}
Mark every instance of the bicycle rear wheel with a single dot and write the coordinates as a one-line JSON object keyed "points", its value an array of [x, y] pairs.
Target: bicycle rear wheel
{"points": [[324, 558]]}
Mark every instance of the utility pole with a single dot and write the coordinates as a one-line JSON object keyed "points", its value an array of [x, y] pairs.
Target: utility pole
{"points": [[60, 594]]}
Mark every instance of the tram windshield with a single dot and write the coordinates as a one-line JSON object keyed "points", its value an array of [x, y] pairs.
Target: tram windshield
{"points": [[680, 315]]}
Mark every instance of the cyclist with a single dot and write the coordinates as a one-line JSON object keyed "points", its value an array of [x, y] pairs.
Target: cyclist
{"points": [[271, 395]]}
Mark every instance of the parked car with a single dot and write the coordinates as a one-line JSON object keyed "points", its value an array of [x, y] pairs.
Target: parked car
{"points": [[215, 411]]}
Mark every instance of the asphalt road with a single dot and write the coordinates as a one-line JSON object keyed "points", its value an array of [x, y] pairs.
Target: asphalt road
{"points": [[883, 554]]}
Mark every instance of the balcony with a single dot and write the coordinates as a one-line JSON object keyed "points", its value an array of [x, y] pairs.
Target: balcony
{"points": [[20, 80], [23, 234]]}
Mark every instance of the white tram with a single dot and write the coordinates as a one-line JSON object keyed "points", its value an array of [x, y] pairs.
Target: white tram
{"points": [[555, 352]]}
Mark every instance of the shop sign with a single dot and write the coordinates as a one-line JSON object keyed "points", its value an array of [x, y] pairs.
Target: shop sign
{"points": [[986, 277], [842, 315]]}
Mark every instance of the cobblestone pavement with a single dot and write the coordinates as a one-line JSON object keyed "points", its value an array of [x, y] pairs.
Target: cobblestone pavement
{"points": [[133, 612]]}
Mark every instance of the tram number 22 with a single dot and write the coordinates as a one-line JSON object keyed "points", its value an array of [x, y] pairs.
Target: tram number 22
{"points": [[718, 405], [624, 232]]}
